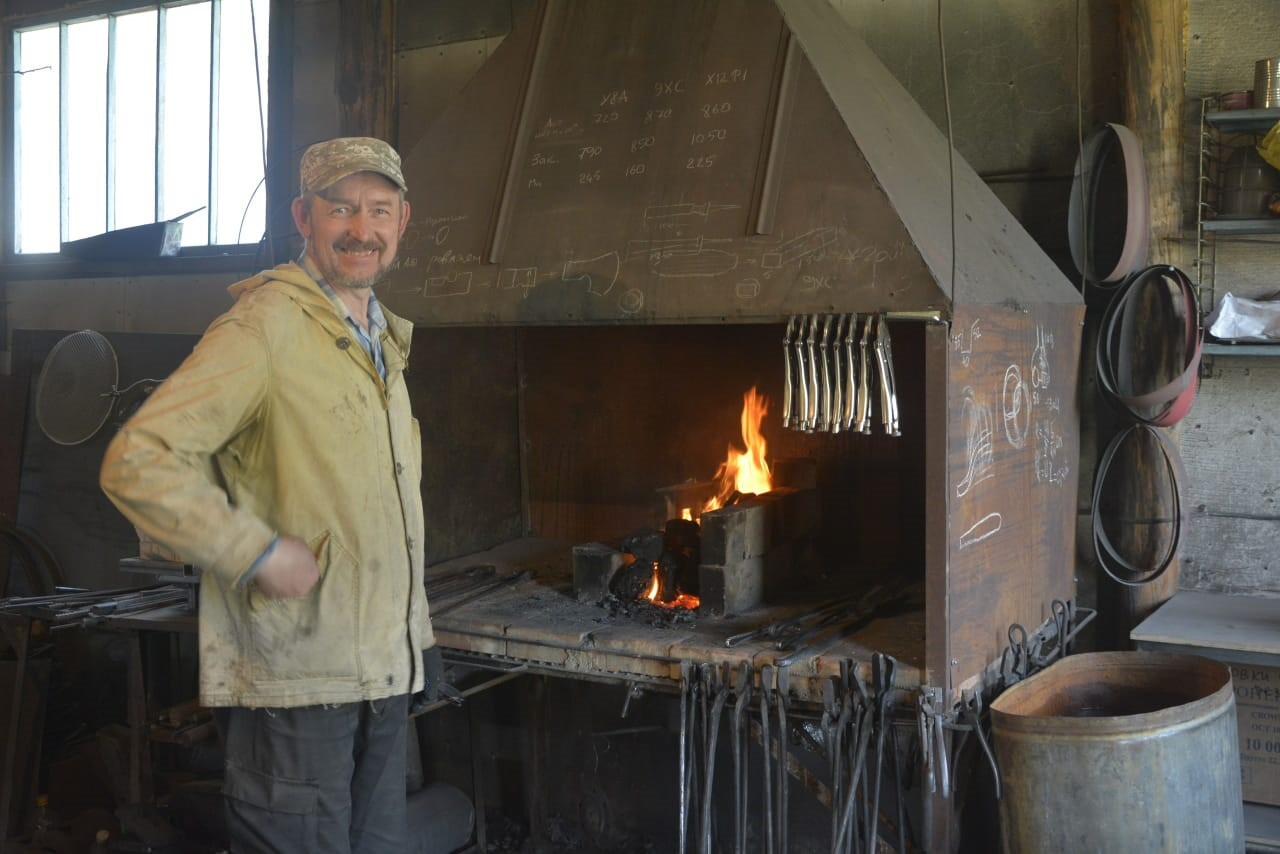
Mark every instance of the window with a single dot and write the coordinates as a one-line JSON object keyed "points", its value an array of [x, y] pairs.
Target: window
{"points": [[141, 116]]}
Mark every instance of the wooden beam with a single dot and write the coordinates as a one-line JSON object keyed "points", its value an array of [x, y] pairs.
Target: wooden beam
{"points": [[1153, 60], [366, 68]]}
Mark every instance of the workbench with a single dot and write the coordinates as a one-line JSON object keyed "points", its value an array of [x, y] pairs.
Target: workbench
{"points": [[539, 622]]}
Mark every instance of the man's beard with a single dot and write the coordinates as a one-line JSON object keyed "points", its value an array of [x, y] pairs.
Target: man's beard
{"points": [[355, 283]]}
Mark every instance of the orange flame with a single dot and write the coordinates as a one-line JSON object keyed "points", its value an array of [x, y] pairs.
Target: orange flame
{"points": [[747, 473], [682, 600]]}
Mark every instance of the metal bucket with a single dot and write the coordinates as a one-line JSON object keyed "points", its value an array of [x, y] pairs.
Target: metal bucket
{"points": [[1266, 83], [1123, 752]]}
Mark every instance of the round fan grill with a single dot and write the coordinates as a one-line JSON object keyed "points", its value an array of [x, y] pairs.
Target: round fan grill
{"points": [[77, 388]]}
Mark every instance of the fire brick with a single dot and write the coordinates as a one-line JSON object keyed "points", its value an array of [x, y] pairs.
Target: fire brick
{"points": [[737, 532], [594, 565], [799, 512], [732, 589], [795, 473]]}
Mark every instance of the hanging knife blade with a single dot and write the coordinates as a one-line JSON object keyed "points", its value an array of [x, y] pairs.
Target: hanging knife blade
{"points": [[850, 372], [862, 417], [837, 378], [824, 369], [888, 389], [811, 343], [787, 394], [801, 377]]}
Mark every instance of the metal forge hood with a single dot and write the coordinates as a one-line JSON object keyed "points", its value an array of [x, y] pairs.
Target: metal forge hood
{"points": [[717, 161]]}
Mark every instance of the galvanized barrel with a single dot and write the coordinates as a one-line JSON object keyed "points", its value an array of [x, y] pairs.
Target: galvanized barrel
{"points": [[1120, 752]]}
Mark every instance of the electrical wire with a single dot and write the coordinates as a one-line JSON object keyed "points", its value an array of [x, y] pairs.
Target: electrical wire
{"points": [[262, 129], [1084, 279], [951, 162]]}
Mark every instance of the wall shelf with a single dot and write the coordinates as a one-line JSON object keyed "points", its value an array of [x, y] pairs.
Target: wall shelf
{"points": [[1216, 348], [1221, 131], [1242, 226], [1243, 121]]}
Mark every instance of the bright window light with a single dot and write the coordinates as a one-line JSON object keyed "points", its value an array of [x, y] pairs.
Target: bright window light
{"points": [[141, 116]]}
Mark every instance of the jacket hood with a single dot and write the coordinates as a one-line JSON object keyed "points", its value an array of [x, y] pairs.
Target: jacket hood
{"points": [[293, 281]]}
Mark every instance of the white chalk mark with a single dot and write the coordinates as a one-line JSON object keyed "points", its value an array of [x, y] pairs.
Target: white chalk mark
{"points": [[682, 258], [1017, 407], [518, 277], [987, 526], [448, 285], [975, 418], [597, 283], [685, 209], [814, 240], [1049, 442], [631, 301], [747, 289], [964, 344], [1040, 358]]}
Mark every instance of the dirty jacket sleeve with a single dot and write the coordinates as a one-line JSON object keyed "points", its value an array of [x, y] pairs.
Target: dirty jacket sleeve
{"points": [[159, 470]]}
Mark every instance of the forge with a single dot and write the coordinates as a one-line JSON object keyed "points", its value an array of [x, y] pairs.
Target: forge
{"points": [[618, 243]]}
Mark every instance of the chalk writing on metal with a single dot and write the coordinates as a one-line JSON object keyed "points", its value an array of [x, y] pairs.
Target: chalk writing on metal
{"points": [[987, 526], [975, 419]]}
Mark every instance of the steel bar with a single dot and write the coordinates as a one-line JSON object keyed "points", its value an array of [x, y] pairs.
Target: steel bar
{"points": [[721, 686], [766, 701], [685, 668], [788, 394], [784, 702]]}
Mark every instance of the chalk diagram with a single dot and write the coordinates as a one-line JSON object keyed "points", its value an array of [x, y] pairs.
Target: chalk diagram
{"points": [[1017, 407], [747, 289], [517, 277], [976, 418], [448, 285], [682, 258], [963, 344], [988, 526], [1040, 358], [598, 283], [809, 243], [1048, 443], [683, 211], [631, 301]]}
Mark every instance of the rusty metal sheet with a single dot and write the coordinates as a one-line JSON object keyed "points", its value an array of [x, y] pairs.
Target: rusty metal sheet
{"points": [[1012, 469], [588, 176]]}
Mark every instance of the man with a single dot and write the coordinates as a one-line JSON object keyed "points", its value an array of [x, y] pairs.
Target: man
{"points": [[281, 457]]}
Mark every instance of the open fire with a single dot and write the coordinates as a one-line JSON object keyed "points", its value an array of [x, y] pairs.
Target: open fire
{"points": [[720, 540], [743, 473]]}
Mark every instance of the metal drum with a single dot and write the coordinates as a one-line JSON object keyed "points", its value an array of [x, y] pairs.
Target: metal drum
{"points": [[1120, 752], [1266, 83]]}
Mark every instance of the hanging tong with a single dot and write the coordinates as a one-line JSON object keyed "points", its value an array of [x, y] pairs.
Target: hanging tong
{"points": [[850, 372], [862, 415], [824, 371], [888, 388], [801, 380], [788, 395], [811, 347], [837, 381]]}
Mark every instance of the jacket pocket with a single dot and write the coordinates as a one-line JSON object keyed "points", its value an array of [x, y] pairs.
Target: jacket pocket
{"points": [[313, 635]]}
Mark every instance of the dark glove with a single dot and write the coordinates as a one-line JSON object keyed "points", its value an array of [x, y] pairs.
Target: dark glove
{"points": [[433, 673], [434, 686]]}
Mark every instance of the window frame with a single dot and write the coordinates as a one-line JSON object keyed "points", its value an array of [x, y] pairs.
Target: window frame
{"points": [[194, 259]]}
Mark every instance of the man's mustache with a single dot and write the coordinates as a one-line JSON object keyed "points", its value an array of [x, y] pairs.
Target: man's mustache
{"points": [[352, 245]]}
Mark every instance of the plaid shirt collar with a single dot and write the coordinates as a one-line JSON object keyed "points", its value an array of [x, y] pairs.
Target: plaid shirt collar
{"points": [[371, 340]]}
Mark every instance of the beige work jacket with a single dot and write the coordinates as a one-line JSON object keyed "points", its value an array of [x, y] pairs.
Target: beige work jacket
{"points": [[279, 423]]}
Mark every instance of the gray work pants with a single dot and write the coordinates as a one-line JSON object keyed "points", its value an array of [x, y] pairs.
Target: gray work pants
{"points": [[317, 778]]}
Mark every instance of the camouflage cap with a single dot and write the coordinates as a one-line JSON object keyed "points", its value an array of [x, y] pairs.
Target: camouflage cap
{"points": [[326, 163]]}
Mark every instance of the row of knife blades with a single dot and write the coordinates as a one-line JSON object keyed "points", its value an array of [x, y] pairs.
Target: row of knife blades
{"points": [[834, 364]]}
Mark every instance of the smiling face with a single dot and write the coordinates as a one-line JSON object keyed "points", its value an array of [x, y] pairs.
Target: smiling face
{"points": [[353, 229]]}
